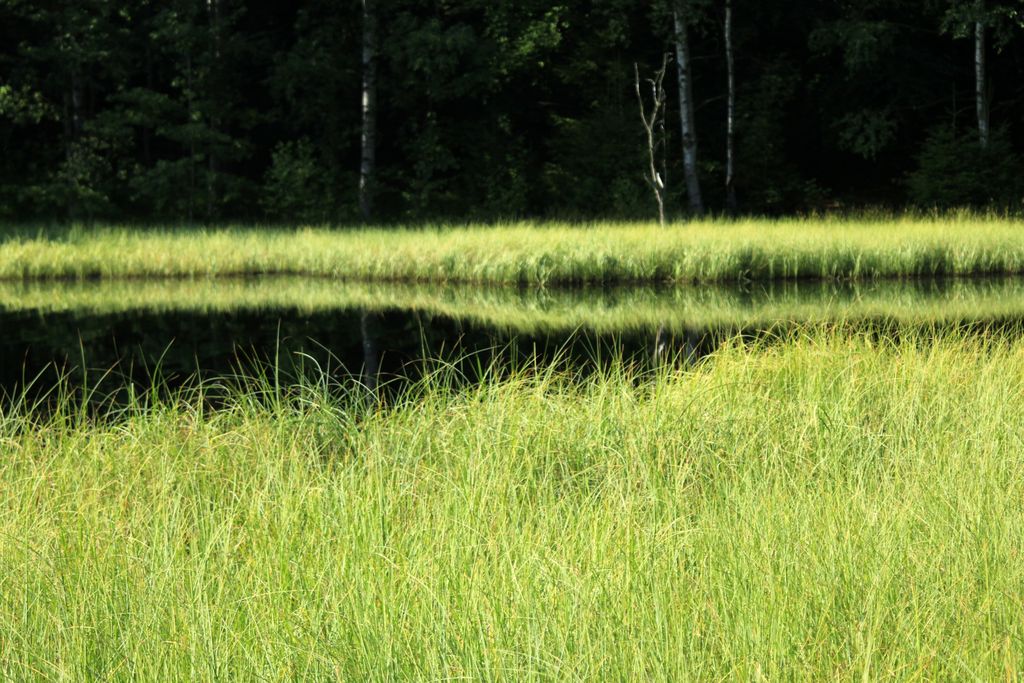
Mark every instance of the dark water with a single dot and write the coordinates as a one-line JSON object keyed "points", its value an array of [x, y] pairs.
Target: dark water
{"points": [[111, 346], [377, 347]]}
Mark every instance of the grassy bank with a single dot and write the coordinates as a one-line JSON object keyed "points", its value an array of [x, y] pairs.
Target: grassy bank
{"points": [[827, 508], [540, 310], [525, 254]]}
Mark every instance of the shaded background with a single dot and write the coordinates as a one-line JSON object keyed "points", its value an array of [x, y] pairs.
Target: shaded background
{"points": [[213, 110]]}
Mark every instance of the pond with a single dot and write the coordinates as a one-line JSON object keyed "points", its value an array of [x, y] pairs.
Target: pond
{"points": [[131, 331]]}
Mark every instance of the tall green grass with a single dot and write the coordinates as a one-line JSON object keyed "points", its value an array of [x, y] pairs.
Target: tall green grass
{"points": [[528, 254], [826, 508]]}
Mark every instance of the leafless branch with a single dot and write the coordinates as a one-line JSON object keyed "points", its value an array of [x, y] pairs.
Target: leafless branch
{"points": [[652, 123]]}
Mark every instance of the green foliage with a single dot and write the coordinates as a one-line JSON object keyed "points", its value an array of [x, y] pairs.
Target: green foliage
{"points": [[488, 109], [867, 132], [863, 44], [168, 187], [79, 182], [608, 178], [954, 170], [1002, 18], [293, 188], [765, 178], [24, 105]]}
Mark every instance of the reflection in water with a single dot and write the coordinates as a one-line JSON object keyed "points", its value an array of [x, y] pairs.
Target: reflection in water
{"points": [[368, 325], [660, 346], [210, 328], [373, 347], [602, 310]]}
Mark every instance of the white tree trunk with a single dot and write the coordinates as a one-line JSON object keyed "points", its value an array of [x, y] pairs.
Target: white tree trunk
{"points": [[686, 117], [980, 101], [730, 115], [368, 158]]}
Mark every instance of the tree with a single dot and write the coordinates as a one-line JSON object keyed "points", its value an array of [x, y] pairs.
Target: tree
{"points": [[684, 64], [652, 124], [954, 171], [315, 86], [978, 18], [980, 98], [221, 109], [63, 61], [730, 112], [368, 157]]}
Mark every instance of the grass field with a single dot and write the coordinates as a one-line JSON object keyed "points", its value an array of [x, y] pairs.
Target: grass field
{"points": [[527, 254], [827, 508], [546, 310]]}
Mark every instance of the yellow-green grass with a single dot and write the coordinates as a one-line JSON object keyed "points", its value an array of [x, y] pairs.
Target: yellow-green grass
{"points": [[538, 310], [537, 254], [828, 508]]}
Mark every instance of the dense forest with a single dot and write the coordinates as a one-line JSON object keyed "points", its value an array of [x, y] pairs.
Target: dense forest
{"points": [[405, 110]]}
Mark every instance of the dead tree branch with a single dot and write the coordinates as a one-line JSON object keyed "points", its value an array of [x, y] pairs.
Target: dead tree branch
{"points": [[654, 122]]}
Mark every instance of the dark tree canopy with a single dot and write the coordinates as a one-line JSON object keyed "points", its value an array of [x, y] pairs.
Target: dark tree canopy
{"points": [[211, 110]]}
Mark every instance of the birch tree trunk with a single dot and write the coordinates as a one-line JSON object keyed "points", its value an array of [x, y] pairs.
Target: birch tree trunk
{"points": [[730, 113], [368, 159], [980, 101], [686, 117]]}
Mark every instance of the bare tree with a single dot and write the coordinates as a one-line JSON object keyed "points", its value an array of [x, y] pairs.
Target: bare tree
{"points": [[686, 116], [980, 101], [368, 157], [730, 113], [652, 123]]}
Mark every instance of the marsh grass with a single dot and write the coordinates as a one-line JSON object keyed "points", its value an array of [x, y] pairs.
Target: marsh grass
{"points": [[713, 250], [829, 507]]}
